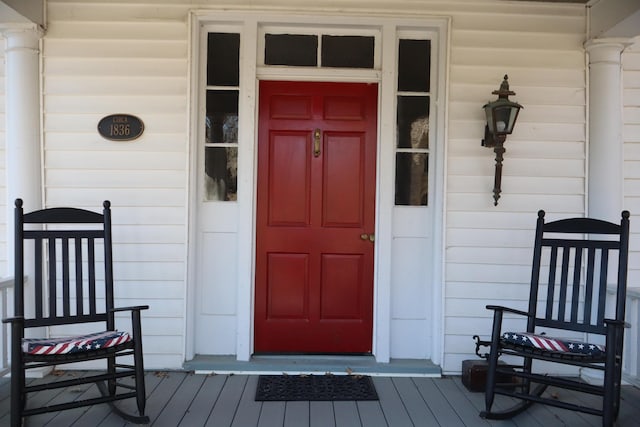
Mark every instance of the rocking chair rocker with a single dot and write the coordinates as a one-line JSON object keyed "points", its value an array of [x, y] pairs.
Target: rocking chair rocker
{"points": [[72, 285], [571, 267]]}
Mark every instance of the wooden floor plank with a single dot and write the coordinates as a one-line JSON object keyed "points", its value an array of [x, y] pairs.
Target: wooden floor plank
{"points": [[461, 404], [185, 399], [392, 406], [415, 404], [55, 396], [272, 414], [437, 403], [477, 400], [321, 414], [296, 414], [200, 408], [570, 418], [69, 417], [109, 419], [5, 402], [541, 414], [346, 414], [172, 414], [371, 414], [226, 405], [248, 412], [159, 398], [5, 390]]}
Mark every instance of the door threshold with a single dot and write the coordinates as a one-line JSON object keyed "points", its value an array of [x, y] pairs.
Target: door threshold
{"points": [[313, 365]]}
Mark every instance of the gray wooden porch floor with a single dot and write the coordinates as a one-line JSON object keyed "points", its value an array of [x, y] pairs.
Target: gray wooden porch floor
{"points": [[187, 399]]}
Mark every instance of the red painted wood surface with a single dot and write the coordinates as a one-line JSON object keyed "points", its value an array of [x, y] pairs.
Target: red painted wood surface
{"points": [[314, 272]]}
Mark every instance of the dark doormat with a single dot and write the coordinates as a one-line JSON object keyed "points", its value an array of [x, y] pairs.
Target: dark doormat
{"points": [[315, 387]]}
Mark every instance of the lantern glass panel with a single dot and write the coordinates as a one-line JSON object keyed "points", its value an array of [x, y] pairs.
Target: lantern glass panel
{"points": [[488, 111], [502, 119]]}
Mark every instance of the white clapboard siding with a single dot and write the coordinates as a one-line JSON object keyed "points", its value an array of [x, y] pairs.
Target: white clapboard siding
{"points": [[631, 170], [101, 58], [3, 175], [488, 253]]}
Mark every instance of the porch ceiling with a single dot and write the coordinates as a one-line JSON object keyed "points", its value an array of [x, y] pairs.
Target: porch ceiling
{"points": [[558, 1], [608, 18]]}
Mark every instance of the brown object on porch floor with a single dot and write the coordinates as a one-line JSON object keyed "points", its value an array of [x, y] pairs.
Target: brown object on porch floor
{"points": [[315, 388]]}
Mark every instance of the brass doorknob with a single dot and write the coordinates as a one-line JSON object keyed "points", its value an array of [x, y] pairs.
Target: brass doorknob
{"points": [[370, 237]]}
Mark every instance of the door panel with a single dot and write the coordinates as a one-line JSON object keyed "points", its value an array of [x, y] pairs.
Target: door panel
{"points": [[288, 186], [343, 185], [315, 212]]}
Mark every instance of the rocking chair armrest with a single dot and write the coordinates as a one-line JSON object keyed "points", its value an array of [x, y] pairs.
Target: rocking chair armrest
{"points": [[507, 309], [13, 319], [132, 308], [619, 323]]}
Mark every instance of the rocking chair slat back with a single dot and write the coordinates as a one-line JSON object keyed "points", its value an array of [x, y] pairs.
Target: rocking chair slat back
{"points": [[570, 276], [65, 282]]}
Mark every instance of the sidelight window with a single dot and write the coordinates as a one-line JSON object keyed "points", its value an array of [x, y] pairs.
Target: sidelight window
{"points": [[412, 122], [221, 122]]}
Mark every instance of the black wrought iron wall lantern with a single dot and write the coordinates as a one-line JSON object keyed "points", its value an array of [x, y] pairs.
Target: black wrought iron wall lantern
{"points": [[501, 118]]}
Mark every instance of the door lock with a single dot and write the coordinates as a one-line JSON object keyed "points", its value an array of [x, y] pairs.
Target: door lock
{"points": [[370, 237]]}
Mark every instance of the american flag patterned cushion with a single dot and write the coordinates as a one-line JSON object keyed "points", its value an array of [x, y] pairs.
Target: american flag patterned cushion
{"points": [[81, 343], [546, 343]]}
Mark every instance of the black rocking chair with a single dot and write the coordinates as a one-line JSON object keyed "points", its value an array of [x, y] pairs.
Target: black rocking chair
{"points": [[574, 260], [72, 284]]}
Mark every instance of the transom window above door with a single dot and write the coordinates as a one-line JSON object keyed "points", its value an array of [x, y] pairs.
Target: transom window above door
{"points": [[297, 48]]}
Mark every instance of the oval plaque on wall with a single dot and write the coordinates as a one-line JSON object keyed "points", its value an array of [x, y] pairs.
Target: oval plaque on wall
{"points": [[120, 127]]}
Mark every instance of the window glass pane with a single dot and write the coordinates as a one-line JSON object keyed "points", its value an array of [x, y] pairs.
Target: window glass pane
{"points": [[223, 59], [412, 179], [221, 173], [222, 117], [414, 65], [291, 49], [347, 51], [413, 122]]}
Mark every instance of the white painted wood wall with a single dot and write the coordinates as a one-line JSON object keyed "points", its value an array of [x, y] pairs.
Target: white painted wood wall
{"points": [[102, 57], [3, 178], [631, 137]]}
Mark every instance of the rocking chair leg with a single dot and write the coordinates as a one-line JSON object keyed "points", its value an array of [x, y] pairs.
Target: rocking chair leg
{"points": [[111, 369], [492, 362], [139, 365], [136, 419], [18, 397], [609, 399], [16, 407]]}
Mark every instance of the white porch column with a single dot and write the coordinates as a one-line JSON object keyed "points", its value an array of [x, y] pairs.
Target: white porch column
{"points": [[23, 163], [605, 176]]}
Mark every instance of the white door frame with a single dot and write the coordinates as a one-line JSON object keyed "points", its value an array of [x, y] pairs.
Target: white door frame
{"points": [[249, 24]]}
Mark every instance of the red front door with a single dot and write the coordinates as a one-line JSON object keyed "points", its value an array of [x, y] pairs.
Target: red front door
{"points": [[315, 217]]}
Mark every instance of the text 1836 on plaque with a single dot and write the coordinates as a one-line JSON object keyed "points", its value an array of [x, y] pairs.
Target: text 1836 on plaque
{"points": [[120, 127]]}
